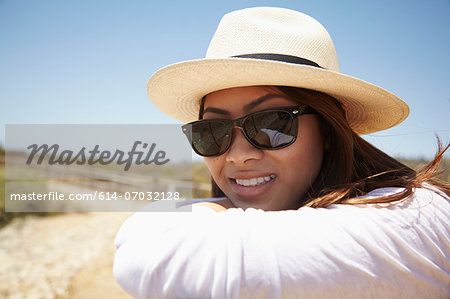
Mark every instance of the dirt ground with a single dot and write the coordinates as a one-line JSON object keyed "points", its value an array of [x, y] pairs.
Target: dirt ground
{"points": [[64, 256], [96, 280]]}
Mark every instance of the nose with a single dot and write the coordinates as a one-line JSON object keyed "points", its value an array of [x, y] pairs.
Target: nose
{"points": [[241, 151]]}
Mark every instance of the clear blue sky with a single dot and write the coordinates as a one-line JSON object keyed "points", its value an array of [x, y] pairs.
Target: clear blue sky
{"points": [[89, 61]]}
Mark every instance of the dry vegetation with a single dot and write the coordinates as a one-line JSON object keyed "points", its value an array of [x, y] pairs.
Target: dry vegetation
{"points": [[443, 173], [200, 174]]}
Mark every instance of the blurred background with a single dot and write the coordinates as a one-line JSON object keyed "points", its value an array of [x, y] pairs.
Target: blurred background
{"points": [[88, 62]]}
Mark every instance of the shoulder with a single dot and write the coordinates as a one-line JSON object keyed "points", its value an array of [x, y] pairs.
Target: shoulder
{"points": [[427, 199], [426, 192], [423, 211]]}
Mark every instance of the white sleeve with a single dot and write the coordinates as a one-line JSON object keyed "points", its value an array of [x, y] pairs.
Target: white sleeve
{"points": [[338, 252]]}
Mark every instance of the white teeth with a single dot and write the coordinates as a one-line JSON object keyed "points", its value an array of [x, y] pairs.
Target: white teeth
{"points": [[255, 181]]}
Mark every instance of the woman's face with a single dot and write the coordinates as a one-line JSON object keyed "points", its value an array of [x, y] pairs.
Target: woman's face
{"points": [[288, 173]]}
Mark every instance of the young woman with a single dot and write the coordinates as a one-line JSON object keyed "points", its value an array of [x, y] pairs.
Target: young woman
{"points": [[307, 208]]}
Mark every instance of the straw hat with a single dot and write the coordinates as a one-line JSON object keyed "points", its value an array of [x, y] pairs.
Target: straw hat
{"points": [[272, 46]]}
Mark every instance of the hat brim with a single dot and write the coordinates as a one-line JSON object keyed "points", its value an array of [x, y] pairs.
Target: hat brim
{"points": [[178, 88]]}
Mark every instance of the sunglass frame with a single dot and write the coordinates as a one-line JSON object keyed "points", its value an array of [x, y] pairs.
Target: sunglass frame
{"points": [[294, 112]]}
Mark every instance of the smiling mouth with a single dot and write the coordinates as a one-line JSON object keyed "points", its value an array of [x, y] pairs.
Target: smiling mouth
{"points": [[255, 181]]}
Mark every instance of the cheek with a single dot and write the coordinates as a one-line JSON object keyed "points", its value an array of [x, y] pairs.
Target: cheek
{"points": [[215, 166], [307, 151], [314, 148]]}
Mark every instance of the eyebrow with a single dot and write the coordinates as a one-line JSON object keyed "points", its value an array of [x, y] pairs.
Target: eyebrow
{"points": [[216, 110], [247, 107], [260, 100]]}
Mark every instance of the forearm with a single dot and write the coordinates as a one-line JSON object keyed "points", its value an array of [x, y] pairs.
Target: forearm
{"points": [[346, 250]]}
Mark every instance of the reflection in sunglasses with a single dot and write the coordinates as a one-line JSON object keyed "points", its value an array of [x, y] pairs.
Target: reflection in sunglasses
{"points": [[277, 138]]}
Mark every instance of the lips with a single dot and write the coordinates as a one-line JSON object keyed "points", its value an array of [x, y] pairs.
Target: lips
{"points": [[251, 182], [251, 186]]}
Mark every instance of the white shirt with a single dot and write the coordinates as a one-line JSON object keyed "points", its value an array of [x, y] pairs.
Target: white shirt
{"points": [[342, 251]]}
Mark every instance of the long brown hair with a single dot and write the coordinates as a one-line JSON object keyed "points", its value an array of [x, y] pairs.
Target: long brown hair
{"points": [[351, 166]]}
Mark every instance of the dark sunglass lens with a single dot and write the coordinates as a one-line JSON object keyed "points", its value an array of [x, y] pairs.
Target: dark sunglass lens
{"points": [[272, 129], [210, 138]]}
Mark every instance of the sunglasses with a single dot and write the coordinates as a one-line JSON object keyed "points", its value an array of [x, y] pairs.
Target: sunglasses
{"points": [[268, 129]]}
